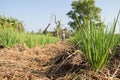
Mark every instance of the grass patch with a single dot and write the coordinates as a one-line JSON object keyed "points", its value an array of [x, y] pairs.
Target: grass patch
{"points": [[98, 44], [10, 37]]}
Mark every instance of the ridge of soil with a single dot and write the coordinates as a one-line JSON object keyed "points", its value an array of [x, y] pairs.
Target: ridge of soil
{"points": [[60, 61]]}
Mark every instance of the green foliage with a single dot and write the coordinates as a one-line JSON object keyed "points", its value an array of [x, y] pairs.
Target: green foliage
{"points": [[11, 23], [98, 44], [6, 38], [9, 37], [117, 36], [83, 9]]}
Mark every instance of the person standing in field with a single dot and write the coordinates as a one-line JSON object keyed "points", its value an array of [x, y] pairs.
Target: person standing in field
{"points": [[63, 34]]}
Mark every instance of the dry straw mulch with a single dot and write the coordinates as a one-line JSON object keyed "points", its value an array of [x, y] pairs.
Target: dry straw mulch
{"points": [[60, 61]]}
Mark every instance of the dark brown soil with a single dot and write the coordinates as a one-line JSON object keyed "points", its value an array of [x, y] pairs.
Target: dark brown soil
{"points": [[60, 61]]}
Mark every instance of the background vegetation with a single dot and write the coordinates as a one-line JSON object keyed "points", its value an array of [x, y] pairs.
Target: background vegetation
{"points": [[12, 32], [82, 12]]}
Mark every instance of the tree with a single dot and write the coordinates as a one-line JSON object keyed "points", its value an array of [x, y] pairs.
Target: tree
{"points": [[82, 12], [11, 23]]}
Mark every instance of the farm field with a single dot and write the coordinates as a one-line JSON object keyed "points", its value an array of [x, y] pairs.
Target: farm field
{"points": [[9, 37], [31, 56], [87, 54], [58, 61], [59, 40]]}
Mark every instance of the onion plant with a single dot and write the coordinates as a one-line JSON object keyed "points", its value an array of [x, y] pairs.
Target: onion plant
{"points": [[97, 43]]}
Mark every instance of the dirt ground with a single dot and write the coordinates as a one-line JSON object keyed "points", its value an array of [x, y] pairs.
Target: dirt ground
{"points": [[59, 61]]}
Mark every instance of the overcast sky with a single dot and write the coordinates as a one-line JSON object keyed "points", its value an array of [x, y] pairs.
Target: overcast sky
{"points": [[36, 14]]}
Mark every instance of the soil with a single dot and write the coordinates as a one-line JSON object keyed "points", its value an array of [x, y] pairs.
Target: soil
{"points": [[59, 61]]}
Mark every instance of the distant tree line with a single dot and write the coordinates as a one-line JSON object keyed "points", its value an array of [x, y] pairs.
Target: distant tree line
{"points": [[11, 23]]}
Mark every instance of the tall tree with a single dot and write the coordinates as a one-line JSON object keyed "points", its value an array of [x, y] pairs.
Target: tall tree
{"points": [[82, 12]]}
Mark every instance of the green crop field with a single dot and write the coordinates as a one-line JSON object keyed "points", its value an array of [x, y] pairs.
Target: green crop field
{"points": [[10, 37]]}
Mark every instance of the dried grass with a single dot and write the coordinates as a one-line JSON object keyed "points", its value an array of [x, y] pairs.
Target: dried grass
{"points": [[60, 61]]}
